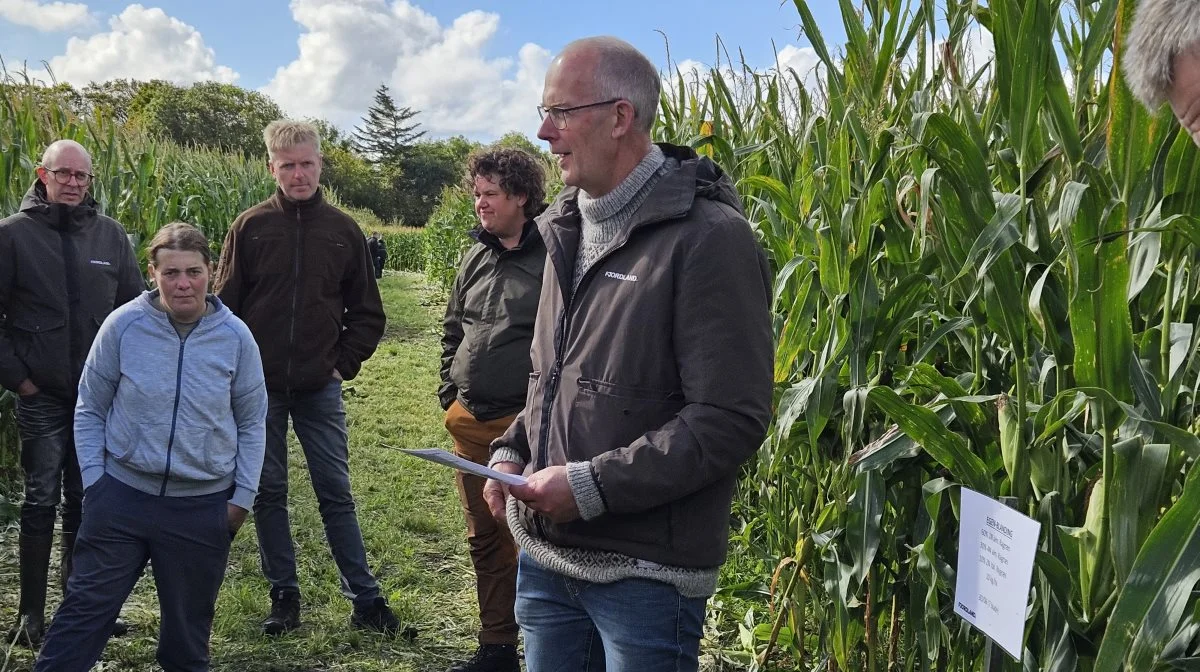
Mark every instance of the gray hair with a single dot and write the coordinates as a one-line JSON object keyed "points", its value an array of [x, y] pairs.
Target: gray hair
{"points": [[623, 72], [55, 148], [286, 134], [1162, 30]]}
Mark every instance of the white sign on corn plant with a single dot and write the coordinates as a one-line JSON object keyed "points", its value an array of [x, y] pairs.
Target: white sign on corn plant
{"points": [[996, 546]]}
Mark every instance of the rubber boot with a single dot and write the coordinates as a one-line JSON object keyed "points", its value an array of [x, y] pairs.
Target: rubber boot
{"points": [[34, 556]]}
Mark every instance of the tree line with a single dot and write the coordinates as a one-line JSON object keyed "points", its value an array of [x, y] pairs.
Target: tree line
{"points": [[386, 164]]}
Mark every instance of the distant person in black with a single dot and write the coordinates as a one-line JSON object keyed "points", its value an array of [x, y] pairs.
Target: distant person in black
{"points": [[378, 251]]}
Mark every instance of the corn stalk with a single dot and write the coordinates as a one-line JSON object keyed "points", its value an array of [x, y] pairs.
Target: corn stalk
{"points": [[986, 276]]}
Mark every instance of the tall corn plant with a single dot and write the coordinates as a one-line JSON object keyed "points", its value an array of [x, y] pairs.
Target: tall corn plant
{"points": [[986, 277]]}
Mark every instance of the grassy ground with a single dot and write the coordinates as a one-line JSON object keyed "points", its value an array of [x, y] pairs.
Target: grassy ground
{"points": [[410, 518]]}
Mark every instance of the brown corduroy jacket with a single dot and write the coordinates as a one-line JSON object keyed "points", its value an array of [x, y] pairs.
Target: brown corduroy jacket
{"points": [[298, 274]]}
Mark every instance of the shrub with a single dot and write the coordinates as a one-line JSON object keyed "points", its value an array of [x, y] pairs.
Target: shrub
{"points": [[446, 235]]}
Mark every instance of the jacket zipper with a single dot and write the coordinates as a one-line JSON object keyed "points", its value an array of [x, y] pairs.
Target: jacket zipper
{"points": [[174, 414], [551, 391], [295, 297], [71, 277]]}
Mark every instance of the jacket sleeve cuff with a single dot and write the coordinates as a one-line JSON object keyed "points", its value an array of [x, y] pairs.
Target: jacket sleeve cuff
{"points": [[347, 366], [90, 475], [586, 490], [505, 454], [12, 378], [242, 498]]}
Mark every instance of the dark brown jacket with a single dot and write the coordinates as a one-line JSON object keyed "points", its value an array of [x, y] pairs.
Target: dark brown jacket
{"points": [[658, 370], [63, 269], [297, 273], [489, 325]]}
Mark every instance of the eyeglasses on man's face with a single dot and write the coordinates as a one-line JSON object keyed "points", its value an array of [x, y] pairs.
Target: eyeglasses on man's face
{"points": [[64, 176], [558, 115]]}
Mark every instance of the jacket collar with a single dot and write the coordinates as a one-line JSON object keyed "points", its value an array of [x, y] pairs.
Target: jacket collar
{"points": [[690, 176], [302, 207], [36, 204], [209, 321], [528, 235]]}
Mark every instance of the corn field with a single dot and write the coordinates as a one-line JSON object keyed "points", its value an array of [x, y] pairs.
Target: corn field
{"points": [[986, 277]]}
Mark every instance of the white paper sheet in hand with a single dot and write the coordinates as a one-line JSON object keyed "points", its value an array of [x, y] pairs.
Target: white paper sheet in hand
{"points": [[452, 460]]}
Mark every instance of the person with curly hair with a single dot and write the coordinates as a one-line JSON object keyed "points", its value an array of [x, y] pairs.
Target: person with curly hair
{"points": [[485, 368], [1162, 60]]}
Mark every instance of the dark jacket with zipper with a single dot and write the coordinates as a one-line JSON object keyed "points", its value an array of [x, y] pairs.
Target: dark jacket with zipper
{"points": [[298, 274], [657, 370], [63, 269], [489, 325]]}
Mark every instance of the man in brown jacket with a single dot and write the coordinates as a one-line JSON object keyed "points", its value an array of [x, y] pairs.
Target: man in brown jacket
{"points": [[295, 269], [652, 377], [1162, 62]]}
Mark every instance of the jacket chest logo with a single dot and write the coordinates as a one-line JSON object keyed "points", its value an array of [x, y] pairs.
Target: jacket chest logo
{"points": [[620, 276], [99, 262]]}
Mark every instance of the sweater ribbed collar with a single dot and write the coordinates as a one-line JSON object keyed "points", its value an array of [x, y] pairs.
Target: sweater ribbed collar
{"points": [[608, 205]]}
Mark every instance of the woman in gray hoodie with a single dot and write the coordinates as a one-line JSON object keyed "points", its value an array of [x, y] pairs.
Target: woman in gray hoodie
{"points": [[169, 431]]}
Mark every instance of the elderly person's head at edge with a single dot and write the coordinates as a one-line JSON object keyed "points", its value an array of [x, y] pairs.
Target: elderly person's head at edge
{"points": [[1162, 59]]}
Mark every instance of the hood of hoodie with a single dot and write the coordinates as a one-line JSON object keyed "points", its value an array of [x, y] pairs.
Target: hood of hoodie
{"points": [[219, 315], [690, 176], [36, 204]]}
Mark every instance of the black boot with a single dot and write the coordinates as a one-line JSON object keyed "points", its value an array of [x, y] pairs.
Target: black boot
{"points": [[491, 658], [285, 612], [34, 556]]}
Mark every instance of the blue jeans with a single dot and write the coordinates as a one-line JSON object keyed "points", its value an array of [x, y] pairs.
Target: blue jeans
{"points": [[186, 540], [45, 424], [633, 625], [319, 419]]}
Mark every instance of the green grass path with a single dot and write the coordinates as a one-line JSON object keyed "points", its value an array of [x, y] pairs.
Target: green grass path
{"points": [[410, 519]]}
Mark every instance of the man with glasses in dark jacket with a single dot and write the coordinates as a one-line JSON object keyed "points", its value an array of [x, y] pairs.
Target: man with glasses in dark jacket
{"points": [[651, 383], [63, 268]]}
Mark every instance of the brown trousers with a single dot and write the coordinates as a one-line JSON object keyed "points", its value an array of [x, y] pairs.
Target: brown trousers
{"points": [[493, 552]]}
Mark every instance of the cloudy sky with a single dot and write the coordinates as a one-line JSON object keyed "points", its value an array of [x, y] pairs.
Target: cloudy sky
{"points": [[471, 67]]}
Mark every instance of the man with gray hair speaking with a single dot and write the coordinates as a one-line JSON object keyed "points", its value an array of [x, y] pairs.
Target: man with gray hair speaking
{"points": [[63, 268], [1162, 61], [651, 384]]}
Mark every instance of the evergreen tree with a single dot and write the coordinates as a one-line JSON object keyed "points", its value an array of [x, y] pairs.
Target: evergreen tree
{"points": [[385, 134]]}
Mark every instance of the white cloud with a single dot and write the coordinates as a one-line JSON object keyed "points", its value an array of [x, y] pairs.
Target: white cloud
{"points": [[49, 17], [141, 44], [804, 61], [349, 47]]}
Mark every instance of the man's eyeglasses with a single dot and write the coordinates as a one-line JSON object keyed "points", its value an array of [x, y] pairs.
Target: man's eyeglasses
{"points": [[558, 115], [64, 175]]}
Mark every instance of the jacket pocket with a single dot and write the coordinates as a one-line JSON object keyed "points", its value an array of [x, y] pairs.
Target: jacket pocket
{"points": [[533, 415], [141, 446], [270, 254], [197, 455], [39, 341], [329, 255], [606, 415]]}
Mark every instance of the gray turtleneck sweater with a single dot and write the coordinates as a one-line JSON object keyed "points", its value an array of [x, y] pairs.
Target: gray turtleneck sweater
{"points": [[604, 217]]}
